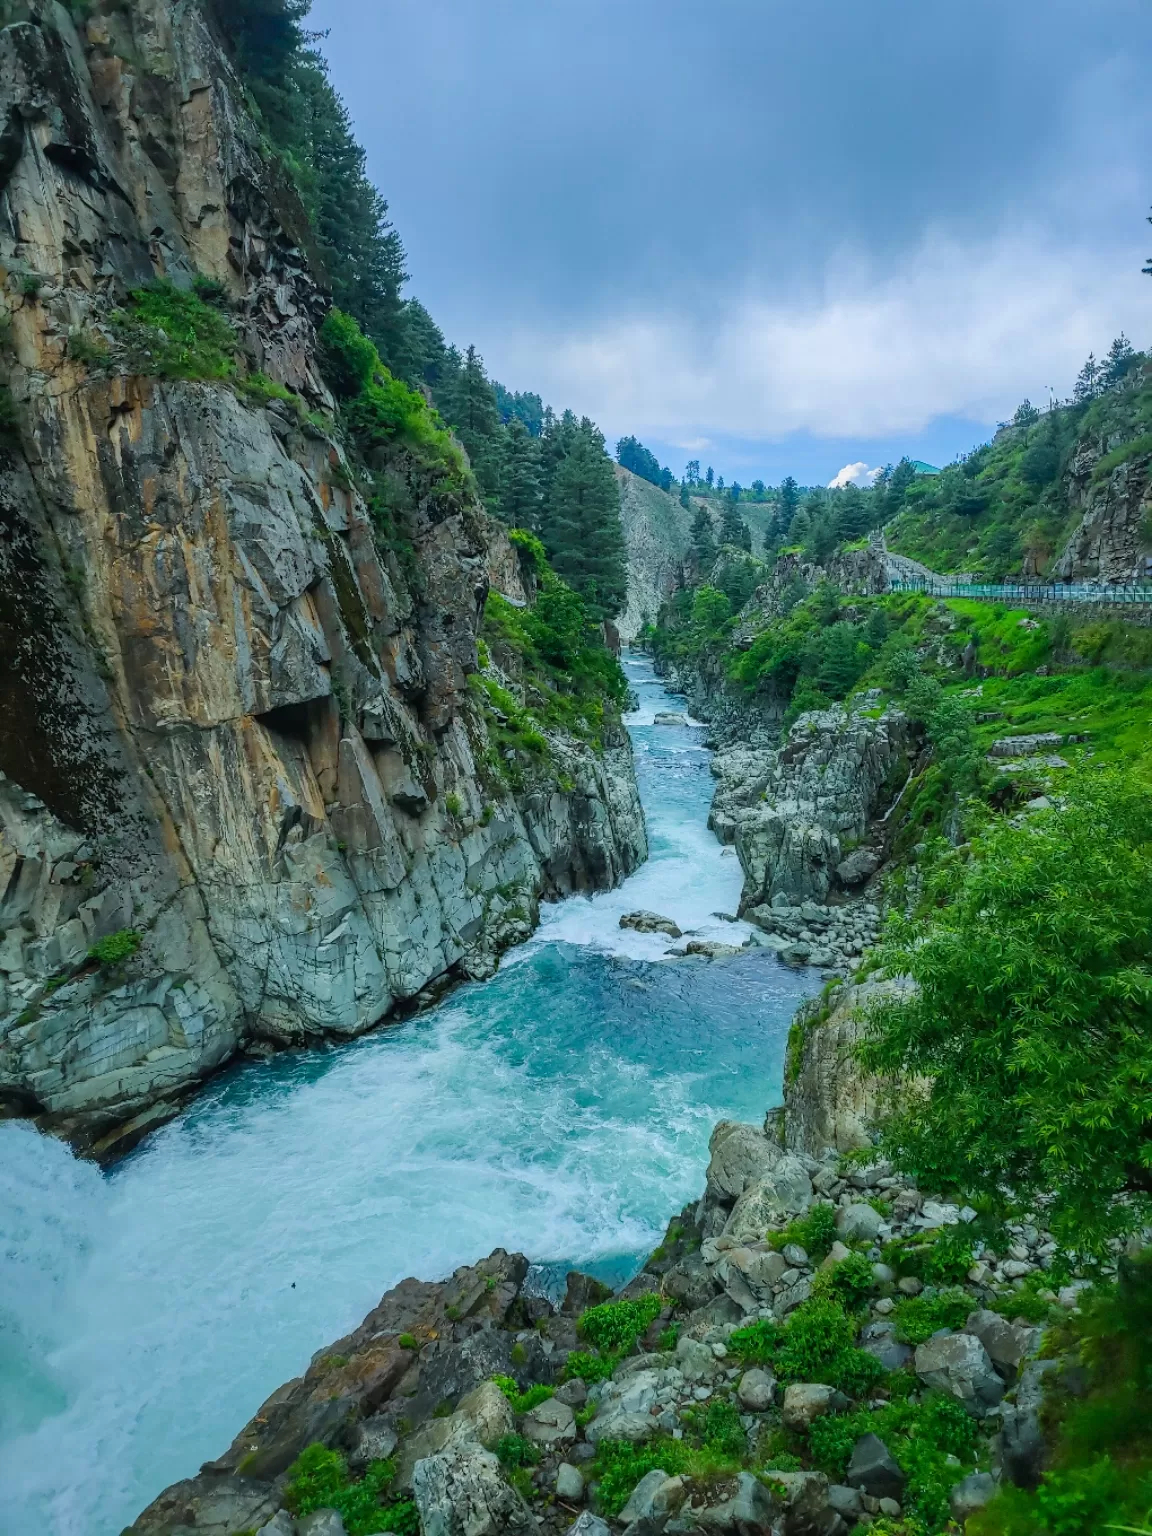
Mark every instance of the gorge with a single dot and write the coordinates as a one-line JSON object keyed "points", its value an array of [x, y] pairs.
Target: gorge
{"points": [[562, 1107]]}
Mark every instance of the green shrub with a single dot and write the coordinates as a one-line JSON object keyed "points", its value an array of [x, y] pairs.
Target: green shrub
{"points": [[115, 948], [815, 1344], [408, 1341], [453, 804], [588, 1367], [815, 1233], [940, 1258], [522, 1402], [615, 1326], [722, 1431], [620, 1465], [318, 1479], [669, 1338], [516, 1451], [917, 1318], [847, 1283], [348, 358]]}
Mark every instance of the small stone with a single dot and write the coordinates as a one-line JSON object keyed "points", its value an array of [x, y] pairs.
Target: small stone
{"points": [[569, 1483], [884, 1306], [701, 1394], [910, 1286], [890, 1507], [1016, 1269], [796, 1256]]}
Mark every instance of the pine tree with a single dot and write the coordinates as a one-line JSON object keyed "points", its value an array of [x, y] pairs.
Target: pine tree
{"points": [[1088, 382], [733, 528], [853, 514], [1121, 355], [711, 475], [521, 492], [467, 402], [703, 541], [787, 500], [692, 472], [580, 519]]}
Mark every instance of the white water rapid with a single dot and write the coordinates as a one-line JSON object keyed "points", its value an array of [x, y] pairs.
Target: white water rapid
{"points": [[562, 1108]]}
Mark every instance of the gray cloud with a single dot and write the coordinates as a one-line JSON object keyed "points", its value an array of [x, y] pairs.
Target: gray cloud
{"points": [[752, 217]]}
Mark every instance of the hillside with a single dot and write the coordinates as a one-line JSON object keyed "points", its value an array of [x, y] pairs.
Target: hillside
{"points": [[657, 539], [1063, 494]]}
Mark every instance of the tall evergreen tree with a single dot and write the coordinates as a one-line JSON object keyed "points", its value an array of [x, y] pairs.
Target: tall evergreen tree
{"points": [[521, 491], [580, 519], [703, 541], [468, 403], [733, 528], [787, 500]]}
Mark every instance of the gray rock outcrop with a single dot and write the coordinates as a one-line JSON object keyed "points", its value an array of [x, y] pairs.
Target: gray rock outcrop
{"points": [[790, 811], [239, 731]]}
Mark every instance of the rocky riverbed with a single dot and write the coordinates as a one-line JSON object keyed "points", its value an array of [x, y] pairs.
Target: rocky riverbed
{"points": [[685, 1405]]}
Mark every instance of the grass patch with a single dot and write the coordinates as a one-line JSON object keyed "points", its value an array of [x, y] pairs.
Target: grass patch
{"points": [[115, 948]]}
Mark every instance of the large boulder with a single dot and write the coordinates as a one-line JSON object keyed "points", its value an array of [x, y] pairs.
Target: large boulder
{"points": [[1003, 1341], [751, 1511], [786, 1190], [858, 1221], [655, 1497], [971, 1494], [650, 922], [959, 1365], [460, 1492], [807, 1400], [741, 1155], [1023, 1448], [874, 1470]]}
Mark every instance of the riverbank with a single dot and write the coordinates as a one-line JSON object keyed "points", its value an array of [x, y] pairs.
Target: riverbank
{"points": [[562, 1107]]}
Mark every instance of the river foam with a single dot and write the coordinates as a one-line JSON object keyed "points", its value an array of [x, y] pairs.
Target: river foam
{"points": [[562, 1108]]}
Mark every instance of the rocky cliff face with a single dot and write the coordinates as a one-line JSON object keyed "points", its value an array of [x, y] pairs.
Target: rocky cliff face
{"points": [[657, 538], [1110, 542], [799, 816], [237, 737]]}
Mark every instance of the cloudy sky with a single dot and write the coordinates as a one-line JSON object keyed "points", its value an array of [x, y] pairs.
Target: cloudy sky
{"points": [[777, 237]]}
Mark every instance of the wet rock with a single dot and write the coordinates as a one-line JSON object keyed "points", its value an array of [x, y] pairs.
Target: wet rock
{"points": [[711, 950], [581, 1292], [650, 922], [669, 717]]}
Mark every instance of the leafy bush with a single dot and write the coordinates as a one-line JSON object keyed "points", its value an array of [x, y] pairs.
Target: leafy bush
{"points": [[847, 1283], [588, 1367], [615, 1326], [1040, 1076], [620, 1465], [522, 1402], [921, 1437], [516, 1451], [917, 1318], [815, 1233], [817, 1343], [318, 1479], [408, 1341], [115, 948], [940, 1258]]}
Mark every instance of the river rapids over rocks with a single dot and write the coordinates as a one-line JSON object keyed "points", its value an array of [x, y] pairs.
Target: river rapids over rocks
{"points": [[562, 1108]]}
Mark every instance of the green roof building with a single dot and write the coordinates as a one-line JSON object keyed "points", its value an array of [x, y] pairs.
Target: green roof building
{"points": [[924, 469]]}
